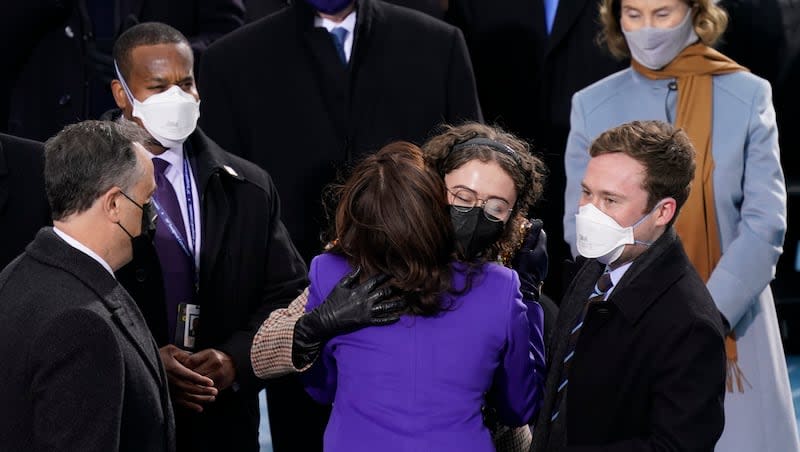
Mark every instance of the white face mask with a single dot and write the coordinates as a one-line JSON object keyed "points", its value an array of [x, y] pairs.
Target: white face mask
{"points": [[170, 117], [654, 48], [598, 236]]}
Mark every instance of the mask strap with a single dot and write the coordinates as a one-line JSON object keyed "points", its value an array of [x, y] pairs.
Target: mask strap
{"points": [[126, 231], [642, 242], [122, 81]]}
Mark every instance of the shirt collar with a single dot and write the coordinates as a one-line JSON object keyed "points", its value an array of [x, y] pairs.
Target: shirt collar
{"points": [[174, 156], [349, 23], [83, 248]]}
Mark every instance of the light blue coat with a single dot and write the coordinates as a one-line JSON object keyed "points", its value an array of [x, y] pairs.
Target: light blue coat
{"points": [[750, 199]]}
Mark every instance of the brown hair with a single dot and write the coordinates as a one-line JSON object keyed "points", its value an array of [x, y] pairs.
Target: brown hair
{"points": [[665, 152], [527, 172], [709, 21], [393, 218]]}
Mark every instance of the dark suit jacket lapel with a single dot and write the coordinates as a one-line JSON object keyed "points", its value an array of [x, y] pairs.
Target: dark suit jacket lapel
{"points": [[366, 81], [5, 181], [566, 14], [48, 248], [210, 165], [640, 286]]}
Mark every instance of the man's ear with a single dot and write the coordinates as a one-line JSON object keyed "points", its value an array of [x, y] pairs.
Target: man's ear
{"points": [[120, 98], [110, 203], [665, 211]]}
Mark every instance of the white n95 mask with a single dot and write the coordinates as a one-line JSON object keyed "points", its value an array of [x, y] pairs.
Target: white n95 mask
{"points": [[170, 117], [598, 236]]}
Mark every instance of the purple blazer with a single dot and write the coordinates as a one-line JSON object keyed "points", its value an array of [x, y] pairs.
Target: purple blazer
{"points": [[418, 385]]}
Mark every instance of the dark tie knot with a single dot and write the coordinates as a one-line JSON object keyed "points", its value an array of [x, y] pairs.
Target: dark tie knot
{"points": [[340, 34], [604, 283]]}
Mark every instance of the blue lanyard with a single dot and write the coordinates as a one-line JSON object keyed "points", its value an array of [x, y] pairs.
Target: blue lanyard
{"points": [[162, 216]]}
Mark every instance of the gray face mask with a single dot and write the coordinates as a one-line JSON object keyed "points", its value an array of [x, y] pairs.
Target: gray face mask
{"points": [[654, 48]]}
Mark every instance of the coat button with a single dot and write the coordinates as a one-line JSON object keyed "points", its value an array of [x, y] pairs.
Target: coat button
{"points": [[141, 274], [64, 100]]}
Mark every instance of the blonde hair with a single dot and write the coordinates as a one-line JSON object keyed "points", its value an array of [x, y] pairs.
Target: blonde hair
{"points": [[710, 22]]}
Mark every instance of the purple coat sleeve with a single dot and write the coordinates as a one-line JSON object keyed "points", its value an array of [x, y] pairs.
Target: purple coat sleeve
{"points": [[320, 379], [517, 389]]}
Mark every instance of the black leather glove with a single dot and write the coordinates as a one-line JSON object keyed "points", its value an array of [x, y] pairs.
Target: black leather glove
{"points": [[347, 308], [530, 262]]}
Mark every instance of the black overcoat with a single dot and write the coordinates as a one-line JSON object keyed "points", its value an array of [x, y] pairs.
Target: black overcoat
{"points": [[648, 371], [23, 202], [83, 372], [248, 268]]}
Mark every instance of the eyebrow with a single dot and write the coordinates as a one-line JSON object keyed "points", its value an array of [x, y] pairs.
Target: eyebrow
{"points": [[605, 192], [156, 79]]}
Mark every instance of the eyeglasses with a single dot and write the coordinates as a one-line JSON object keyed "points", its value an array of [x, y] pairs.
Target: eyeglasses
{"points": [[494, 209]]}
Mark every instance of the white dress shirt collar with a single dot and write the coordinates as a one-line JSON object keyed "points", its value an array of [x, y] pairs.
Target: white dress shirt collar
{"points": [[172, 155], [616, 276], [82, 248], [349, 24]]}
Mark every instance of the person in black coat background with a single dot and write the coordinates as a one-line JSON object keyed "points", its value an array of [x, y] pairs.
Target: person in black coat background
{"points": [[256, 9], [246, 263], [23, 202], [302, 113], [57, 54], [526, 78]]}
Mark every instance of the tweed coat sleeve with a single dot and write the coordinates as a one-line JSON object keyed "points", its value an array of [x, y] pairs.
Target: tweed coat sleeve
{"points": [[271, 353]]}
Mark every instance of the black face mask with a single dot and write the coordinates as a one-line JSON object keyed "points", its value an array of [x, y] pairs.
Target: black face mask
{"points": [[474, 232], [149, 221]]}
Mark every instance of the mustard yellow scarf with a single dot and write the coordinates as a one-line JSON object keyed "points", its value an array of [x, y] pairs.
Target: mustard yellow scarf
{"points": [[696, 225]]}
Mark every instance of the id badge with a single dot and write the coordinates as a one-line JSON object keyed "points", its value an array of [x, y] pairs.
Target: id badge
{"points": [[187, 325]]}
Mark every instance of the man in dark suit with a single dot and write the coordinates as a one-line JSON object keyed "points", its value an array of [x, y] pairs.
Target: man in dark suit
{"points": [[23, 203], [530, 57], [57, 54], [287, 94], [83, 370], [221, 250], [637, 361]]}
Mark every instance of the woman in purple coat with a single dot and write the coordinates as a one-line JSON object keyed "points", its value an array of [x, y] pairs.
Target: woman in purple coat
{"points": [[419, 384]]}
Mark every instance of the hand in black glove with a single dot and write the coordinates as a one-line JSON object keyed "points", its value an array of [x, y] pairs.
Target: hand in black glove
{"points": [[530, 262], [347, 308]]}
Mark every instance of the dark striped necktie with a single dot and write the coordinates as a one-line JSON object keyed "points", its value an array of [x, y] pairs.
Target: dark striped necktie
{"points": [[601, 288]]}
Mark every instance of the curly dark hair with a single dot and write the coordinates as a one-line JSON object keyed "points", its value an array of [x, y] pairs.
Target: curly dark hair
{"points": [[527, 171], [393, 218]]}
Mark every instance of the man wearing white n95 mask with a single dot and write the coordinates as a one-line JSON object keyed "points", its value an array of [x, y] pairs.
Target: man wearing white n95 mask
{"points": [[221, 260], [637, 359]]}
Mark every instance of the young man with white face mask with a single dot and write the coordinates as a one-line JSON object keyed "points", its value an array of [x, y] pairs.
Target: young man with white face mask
{"points": [[221, 259], [733, 223], [637, 359]]}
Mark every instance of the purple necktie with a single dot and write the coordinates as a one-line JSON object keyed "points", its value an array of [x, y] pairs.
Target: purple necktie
{"points": [[176, 266]]}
